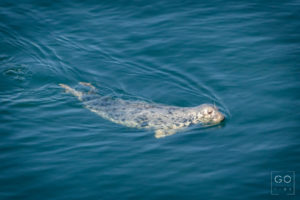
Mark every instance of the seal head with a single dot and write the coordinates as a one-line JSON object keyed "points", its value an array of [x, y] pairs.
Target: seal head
{"points": [[208, 114]]}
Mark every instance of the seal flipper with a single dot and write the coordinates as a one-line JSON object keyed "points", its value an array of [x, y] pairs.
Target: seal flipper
{"points": [[72, 91], [92, 88], [160, 133]]}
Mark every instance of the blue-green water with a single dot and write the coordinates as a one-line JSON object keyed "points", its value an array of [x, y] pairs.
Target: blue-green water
{"points": [[242, 55]]}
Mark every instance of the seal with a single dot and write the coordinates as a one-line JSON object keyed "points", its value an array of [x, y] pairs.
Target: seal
{"points": [[163, 119]]}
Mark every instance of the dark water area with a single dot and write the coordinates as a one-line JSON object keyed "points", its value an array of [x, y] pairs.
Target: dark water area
{"points": [[241, 55]]}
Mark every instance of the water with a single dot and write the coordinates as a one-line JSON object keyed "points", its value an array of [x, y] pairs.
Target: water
{"points": [[243, 56]]}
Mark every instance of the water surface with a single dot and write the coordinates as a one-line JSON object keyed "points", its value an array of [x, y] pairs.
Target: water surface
{"points": [[241, 55]]}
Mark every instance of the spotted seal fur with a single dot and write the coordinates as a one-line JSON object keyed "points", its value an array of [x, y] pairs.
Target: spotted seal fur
{"points": [[163, 119]]}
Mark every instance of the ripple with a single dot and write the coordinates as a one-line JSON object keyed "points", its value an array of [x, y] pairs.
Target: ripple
{"points": [[18, 73]]}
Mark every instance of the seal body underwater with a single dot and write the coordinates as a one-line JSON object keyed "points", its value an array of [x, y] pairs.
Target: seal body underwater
{"points": [[163, 119]]}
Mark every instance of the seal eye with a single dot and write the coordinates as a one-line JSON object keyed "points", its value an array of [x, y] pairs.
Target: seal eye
{"points": [[209, 111]]}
